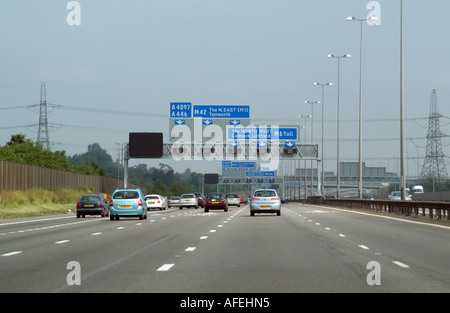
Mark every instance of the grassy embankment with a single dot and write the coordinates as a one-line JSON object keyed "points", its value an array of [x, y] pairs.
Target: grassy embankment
{"points": [[37, 202]]}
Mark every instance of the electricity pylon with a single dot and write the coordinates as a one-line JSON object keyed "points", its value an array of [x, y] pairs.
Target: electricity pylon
{"points": [[434, 168], [43, 120]]}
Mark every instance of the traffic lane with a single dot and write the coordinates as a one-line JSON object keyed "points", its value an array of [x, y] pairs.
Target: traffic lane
{"points": [[112, 255], [135, 262], [18, 235], [422, 248], [267, 253], [31, 235]]}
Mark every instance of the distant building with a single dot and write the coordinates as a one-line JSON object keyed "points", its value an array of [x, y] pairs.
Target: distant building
{"points": [[350, 170]]}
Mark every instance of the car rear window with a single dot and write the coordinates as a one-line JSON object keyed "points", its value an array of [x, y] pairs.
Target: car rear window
{"points": [[151, 197], [232, 196], [128, 194], [265, 193], [187, 196], [90, 198]]}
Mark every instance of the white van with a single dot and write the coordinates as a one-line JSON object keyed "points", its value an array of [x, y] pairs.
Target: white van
{"points": [[417, 189]]}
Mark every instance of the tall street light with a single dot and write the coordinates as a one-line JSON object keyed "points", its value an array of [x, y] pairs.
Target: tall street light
{"points": [[304, 117], [354, 19], [338, 170], [323, 161], [402, 111], [312, 139]]}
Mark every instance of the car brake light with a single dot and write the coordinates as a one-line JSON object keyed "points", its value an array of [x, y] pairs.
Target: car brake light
{"points": [[275, 199], [222, 202], [253, 199], [79, 204], [99, 204], [111, 203], [140, 202], [159, 201]]}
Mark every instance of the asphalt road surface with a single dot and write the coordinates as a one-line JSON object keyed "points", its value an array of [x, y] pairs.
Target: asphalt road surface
{"points": [[306, 249]]}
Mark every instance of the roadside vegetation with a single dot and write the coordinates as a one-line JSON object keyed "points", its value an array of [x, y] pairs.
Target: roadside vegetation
{"points": [[96, 161], [36, 202]]}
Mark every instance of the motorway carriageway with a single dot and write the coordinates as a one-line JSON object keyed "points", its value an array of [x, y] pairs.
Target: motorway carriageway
{"points": [[307, 249]]}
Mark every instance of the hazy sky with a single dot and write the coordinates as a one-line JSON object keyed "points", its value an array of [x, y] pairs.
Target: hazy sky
{"points": [[137, 56]]}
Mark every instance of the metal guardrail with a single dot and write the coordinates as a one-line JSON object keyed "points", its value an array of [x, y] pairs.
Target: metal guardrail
{"points": [[435, 210]]}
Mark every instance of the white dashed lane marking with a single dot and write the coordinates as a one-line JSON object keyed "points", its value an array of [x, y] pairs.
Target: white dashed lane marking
{"points": [[165, 268], [12, 253], [61, 241], [400, 264]]}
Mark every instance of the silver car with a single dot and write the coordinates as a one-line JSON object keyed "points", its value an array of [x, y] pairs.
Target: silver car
{"points": [[188, 200], [233, 199], [174, 201], [265, 201], [397, 195]]}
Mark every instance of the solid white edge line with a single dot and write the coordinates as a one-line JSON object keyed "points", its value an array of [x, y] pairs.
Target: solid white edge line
{"points": [[387, 217]]}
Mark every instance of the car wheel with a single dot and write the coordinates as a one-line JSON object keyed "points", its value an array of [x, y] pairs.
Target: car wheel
{"points": [[117, 217], [181, 208], [278, 213], [206, 210], [78, 215], [252, 213]]}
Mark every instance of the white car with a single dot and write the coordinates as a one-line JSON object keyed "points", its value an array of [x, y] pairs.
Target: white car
{"points": [[155, 202], [188, 200]]}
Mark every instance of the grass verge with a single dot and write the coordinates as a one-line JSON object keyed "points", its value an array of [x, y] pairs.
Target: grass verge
{"points": [[35, 202]]}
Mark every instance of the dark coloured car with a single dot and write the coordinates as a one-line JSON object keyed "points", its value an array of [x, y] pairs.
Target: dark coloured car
{"points": [[200, 200], [92, 205], [216, 201]]}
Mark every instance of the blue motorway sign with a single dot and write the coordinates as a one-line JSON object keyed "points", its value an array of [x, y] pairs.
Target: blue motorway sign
{"points": [[263, 133], [238, 164], [180, 110], [222, 111], [259, 174]]}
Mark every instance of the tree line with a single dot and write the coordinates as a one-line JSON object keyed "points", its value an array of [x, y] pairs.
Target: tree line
{"points": [[96, 161]]}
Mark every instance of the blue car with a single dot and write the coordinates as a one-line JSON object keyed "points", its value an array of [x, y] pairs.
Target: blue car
{"points": [[92, 205], [127, 202]]}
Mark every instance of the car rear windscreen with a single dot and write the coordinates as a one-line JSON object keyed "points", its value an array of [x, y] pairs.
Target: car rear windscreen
{"points": [[265, 193], [126, 195]]}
